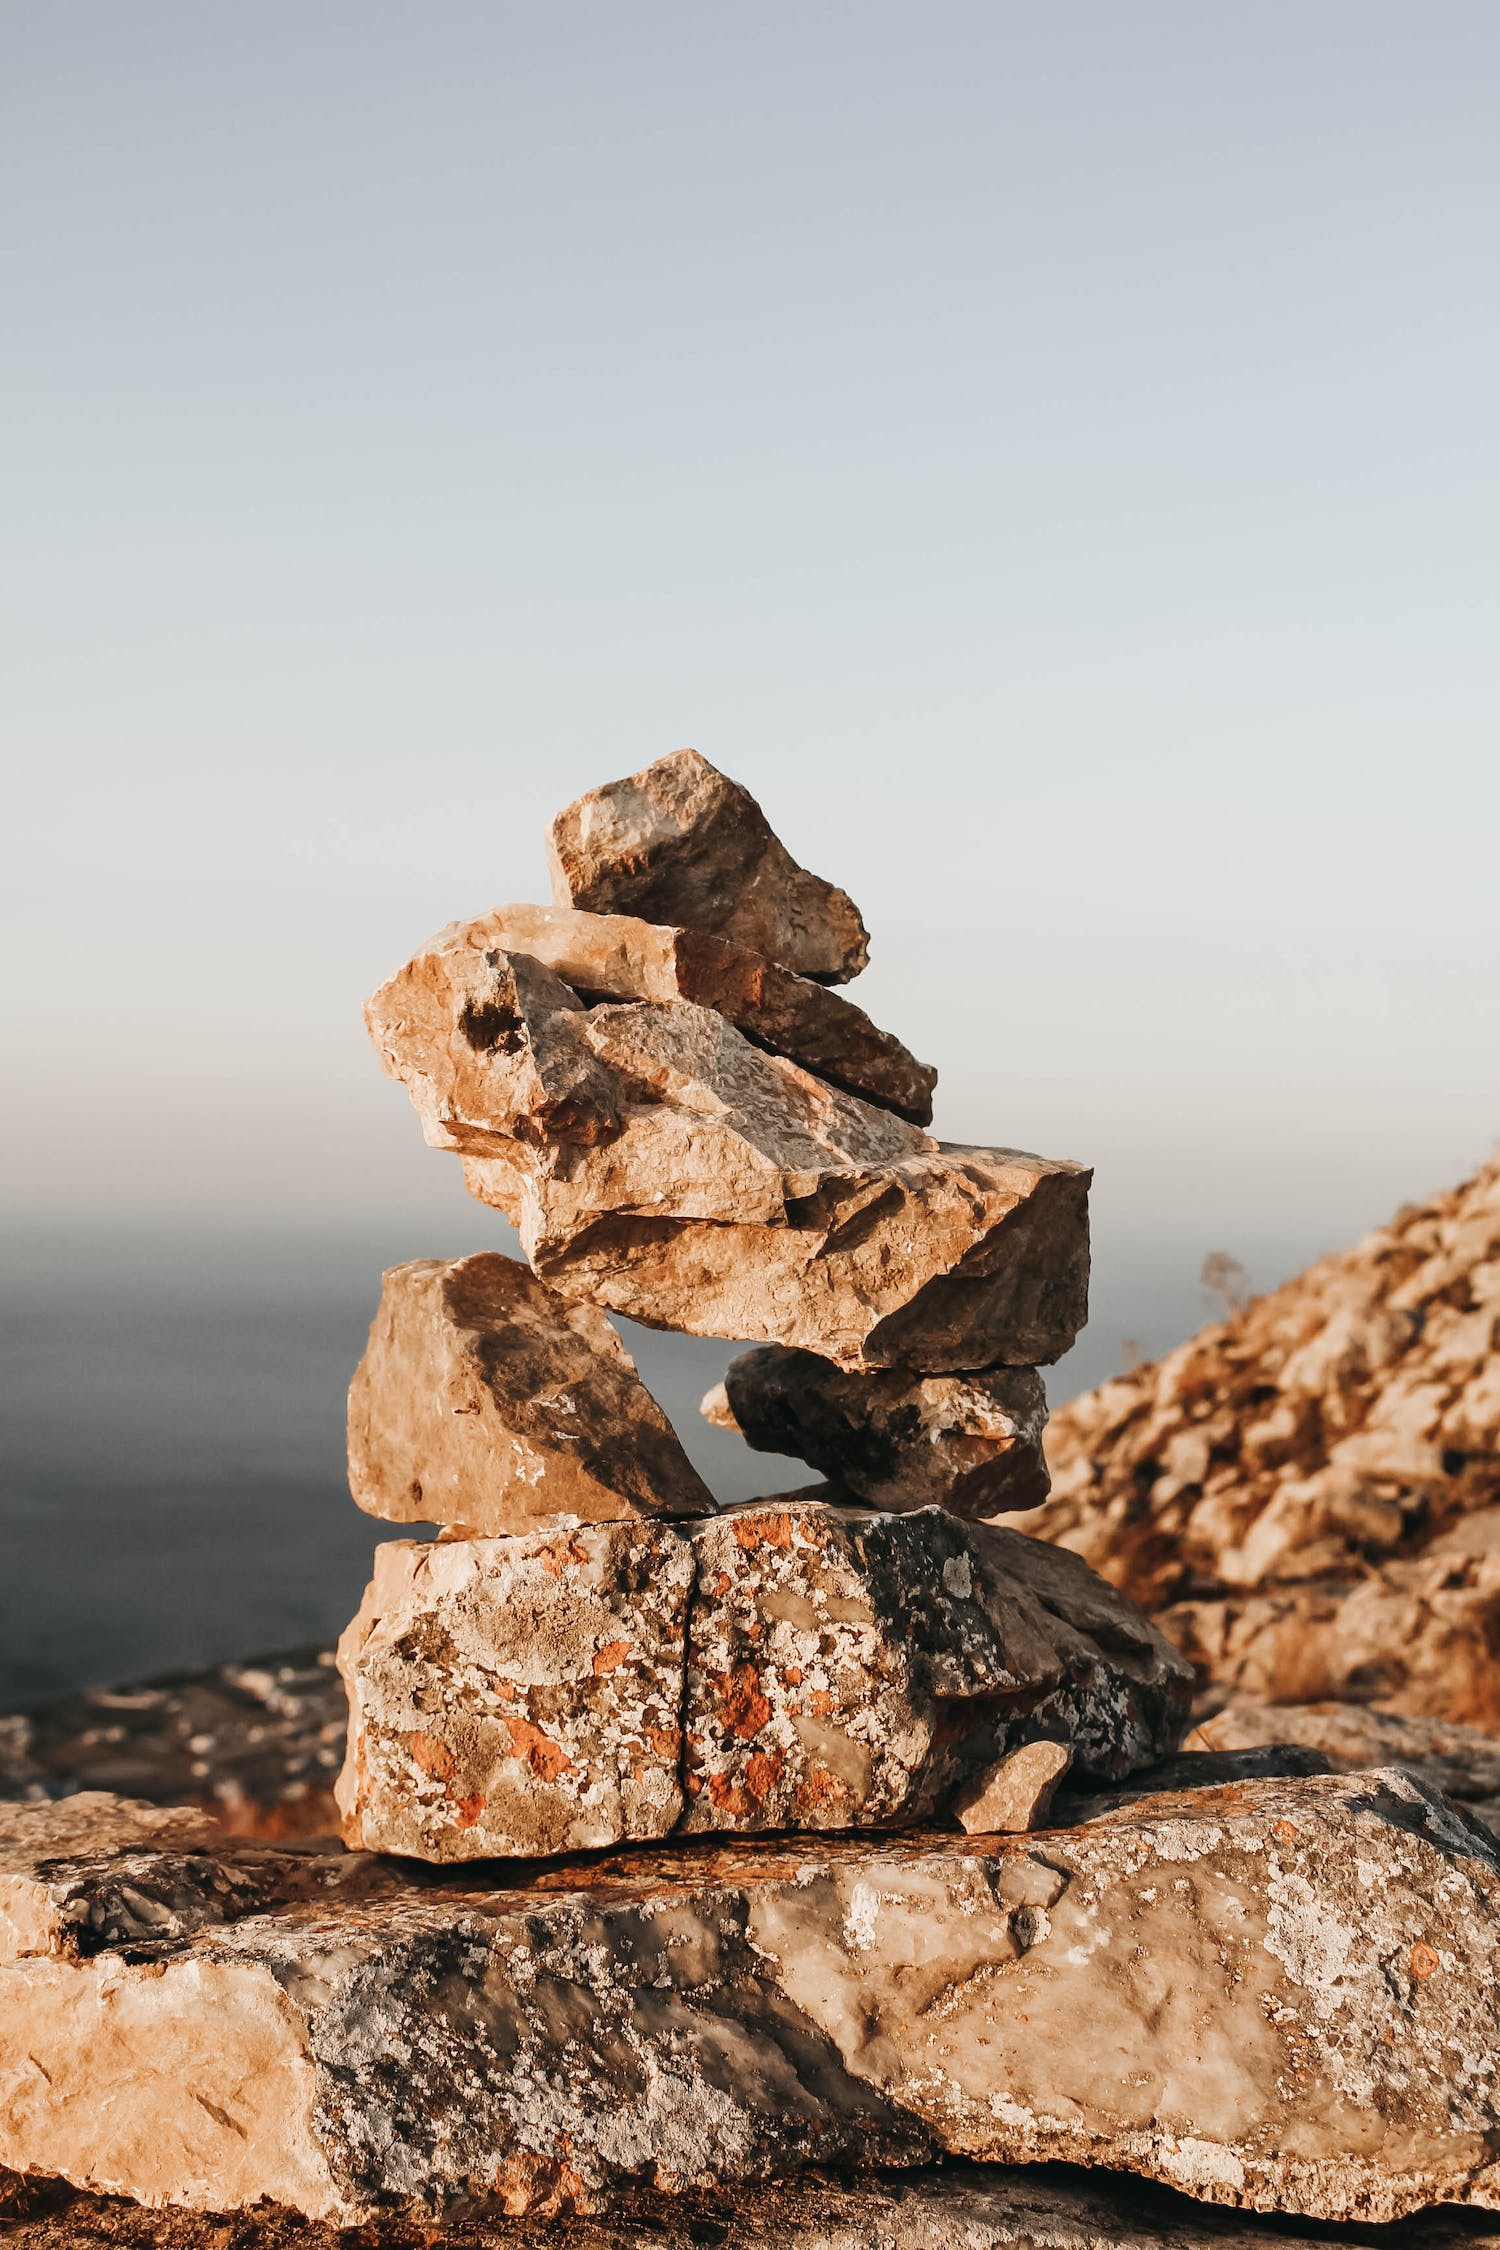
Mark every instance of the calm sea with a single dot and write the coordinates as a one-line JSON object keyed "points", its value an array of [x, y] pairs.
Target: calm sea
{"points": [[171, 1484]]}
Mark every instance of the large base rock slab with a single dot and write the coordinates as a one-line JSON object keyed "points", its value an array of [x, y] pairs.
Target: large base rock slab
{"points": [[517, 1696], [968, 1443], [486, 1401], [681, 843], [1277, 1994]]}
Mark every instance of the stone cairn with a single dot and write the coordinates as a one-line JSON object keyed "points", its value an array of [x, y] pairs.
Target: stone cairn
{"points": [[656, 1083]]}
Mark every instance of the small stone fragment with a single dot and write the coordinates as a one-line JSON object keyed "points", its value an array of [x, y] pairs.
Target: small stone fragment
{"points": [[968, 1443], [619, 957], [517, 1697], [852, 1669], [1016, 1793], [681, 843], [487, 1401]]}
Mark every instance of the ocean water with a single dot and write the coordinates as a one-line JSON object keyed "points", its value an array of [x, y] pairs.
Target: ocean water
{"points": [[171, 1439]]}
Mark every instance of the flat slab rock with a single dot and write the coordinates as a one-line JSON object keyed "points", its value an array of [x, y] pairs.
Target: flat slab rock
{"points": [[794, 1665], [485, 1400], [968, 1443], [956, 2207], [1275, 1994], [680, 842]]}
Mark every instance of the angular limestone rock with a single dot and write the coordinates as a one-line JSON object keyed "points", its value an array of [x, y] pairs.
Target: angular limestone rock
{"points": [[517, 1697], [1278, 1995], [681, 843], [485, 1400], [618, 957], [947, 1258], [1017, 1793], [968, 1443], [848, 1669]]}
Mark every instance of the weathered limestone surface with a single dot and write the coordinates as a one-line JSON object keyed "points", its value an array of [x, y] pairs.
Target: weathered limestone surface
{"points": [[968, 1443], [485, 1400], [619, 957], [681, 843], [1323, 1469], [1277, 1995], [948, 1258], [853, 1669], [518, 1696], [1458, 1761], [1016, 1793]]}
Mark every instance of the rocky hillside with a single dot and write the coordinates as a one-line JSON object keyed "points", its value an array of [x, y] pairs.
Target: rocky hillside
{"points": [[1307, 1495]]}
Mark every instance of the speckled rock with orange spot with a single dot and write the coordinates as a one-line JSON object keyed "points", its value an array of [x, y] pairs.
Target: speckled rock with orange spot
{"points": [[519, 1696], [851, 1669]]}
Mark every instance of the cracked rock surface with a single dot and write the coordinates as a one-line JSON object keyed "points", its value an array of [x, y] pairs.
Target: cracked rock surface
{"points": [[968, 1443], [1277, 1994], [680, 842], [487, 1401]]}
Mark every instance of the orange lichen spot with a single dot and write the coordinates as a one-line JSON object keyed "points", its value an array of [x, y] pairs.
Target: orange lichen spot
{"points": [[468, 1811], [820, 1703], [762, 1773], [561, 1555], [432, 1756], [540, 2187], [546, 1759], [610, 1657], [1287, 1828], [767, 1530], [721, 1585], [729, 1797], [744, 1707], [665, 1741], [1423, 1960], [818, 1790], [693, 1784], [793, 1673]]}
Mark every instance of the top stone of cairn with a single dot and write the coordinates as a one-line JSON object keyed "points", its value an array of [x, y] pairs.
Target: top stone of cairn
{"points": [[680, 843]]}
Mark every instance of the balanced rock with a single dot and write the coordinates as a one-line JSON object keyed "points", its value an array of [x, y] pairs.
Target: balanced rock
{"points": [[681, 843], [852, 1669], [486, 1401], [517, 1697], [968, 1443], [1277, 1994], [619, 957]]}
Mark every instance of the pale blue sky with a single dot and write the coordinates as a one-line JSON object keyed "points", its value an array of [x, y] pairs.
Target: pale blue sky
{"points": [[1048, 452]]}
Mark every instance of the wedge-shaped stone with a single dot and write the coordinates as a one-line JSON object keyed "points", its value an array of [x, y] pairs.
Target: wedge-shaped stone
{"points": [[946, 1258], [848, 1669], [517, 1697], [1278, 1994], [969, 1443], [681, 843], [618, 957], [485, 1400]]}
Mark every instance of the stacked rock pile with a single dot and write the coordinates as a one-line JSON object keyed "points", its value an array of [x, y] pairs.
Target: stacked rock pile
{"points": [[685, 1124]]}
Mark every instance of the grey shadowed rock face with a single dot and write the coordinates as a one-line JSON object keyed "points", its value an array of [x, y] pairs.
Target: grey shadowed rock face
{"points": [[485, 1400], [852, 1669], [968, 1443], [681, 843], [619, 957], [517, 1697], [1277, 1994]]}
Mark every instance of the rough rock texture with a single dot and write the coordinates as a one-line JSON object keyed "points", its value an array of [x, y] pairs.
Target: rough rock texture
{"points": [[1309, 1493], [949, 1258], [518, 1696], [1461, 1763], [485, 1400], [259, 1744], [851, 1669], [956, 2207], [968, 1443], [681, 843], [1016, 1793], [619, 957], [1277, 1994]]}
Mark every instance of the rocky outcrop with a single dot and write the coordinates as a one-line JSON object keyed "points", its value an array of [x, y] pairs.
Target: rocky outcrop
{"points": [[968, 1443], [681, 843], [1458, 1762], [1308, 1494], [796, 1665], [1278, 1994], [486, 1401], [618, 957]]}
